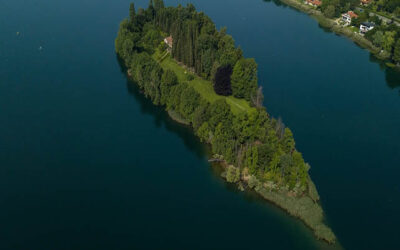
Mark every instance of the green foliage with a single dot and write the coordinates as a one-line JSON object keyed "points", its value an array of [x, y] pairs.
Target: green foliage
{"points": [[390, 6], [333, 8], [253, 181], [244, 78], [168, 80], [158, 5], [132, 12], [232, 174], [396, 54], [219, 111], [384, 40], [201, 114], [196, 41], [389, 40], [189, 102], [330, 11], [204, 133], [244, 136]]}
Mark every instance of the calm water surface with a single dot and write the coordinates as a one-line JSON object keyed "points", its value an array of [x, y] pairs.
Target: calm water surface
{"points": [[87, 163]]}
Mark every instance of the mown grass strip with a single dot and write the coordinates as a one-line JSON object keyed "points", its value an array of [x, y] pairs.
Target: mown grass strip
{"points": [[203, 87]]}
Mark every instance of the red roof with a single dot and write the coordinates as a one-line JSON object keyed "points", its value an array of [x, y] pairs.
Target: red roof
{"points": [[366, 1], [352, 14], [314, 2], [169, 41]]}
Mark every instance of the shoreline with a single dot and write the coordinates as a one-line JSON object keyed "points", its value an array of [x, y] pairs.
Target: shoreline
{"points": [[306, 208], [257, 151], [332, 26]]}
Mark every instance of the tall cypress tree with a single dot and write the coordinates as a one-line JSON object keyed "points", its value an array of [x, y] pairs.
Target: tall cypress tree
{"points": [[132, 12], [151, 11], [158, 4]]}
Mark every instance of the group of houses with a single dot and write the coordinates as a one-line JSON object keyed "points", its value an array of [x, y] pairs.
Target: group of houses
{"points": [[364, 27], [347, 17]]}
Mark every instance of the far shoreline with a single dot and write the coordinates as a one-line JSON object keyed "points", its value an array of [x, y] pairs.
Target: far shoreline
{"points": [[332, 26]]}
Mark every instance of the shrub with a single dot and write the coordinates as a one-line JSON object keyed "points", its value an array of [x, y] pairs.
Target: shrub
{"points": [[233, 174]]}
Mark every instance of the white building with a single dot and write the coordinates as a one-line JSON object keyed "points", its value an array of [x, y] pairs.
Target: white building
{"points": [[366, 26], [346, 17]]}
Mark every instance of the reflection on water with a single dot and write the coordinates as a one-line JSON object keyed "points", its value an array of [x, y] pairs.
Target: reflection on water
{"points": [[392, 77], [201, 151], [161, 118]]}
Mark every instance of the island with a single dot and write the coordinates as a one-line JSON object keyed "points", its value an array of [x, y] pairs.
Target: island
{"points": [[184, 64]]}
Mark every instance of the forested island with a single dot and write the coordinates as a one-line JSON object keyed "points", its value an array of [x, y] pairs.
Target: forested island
{"points": [[183, 63]]}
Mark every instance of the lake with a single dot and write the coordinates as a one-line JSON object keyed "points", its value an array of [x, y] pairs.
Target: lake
{"points": [[86, 162]]}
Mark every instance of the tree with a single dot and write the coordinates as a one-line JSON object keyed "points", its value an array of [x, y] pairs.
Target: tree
{"points": [[330, 11], [250, 139], [219, 111], [150, 12], [378, 38], [189, 101], [288, 141], [232, 174], [132, 12], [222, 81], [244, 78], [158, 4], [228, 54], [396, 54], [201, 114], [388, 40], [204, 132], [397, 11], [127, 49]]}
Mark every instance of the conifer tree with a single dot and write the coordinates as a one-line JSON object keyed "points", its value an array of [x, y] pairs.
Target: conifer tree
{"points": [[132, 12]]}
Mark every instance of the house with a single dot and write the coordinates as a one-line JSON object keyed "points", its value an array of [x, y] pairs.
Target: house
{"points": [[365, 2], [168, 41], [346, 17], [314, 3], [365, 27]]}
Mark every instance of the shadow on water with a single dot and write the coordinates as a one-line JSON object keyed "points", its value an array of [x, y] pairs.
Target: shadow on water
{"points": [[161, 117], [392, 75]]}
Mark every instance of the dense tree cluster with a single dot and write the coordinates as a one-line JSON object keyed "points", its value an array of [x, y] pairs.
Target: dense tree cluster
{"points": [[333, 8], [390, 6], [386, 37], [249, 140], [198, 44], [222, 80]]}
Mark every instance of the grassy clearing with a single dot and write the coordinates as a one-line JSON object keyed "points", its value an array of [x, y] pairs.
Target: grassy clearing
{"points": [[203, 87]]}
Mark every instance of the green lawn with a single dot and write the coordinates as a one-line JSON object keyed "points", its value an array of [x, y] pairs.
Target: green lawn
{"points": [[203, 87]]}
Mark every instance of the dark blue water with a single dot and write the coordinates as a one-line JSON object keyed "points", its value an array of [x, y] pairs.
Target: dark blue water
{"points": [[87, 163]]}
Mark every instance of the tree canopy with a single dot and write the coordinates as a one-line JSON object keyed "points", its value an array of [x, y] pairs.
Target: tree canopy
{"points": [[250, 140]]}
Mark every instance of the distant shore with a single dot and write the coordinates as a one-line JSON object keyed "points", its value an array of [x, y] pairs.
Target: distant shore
{"points": [[338, 29]]}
